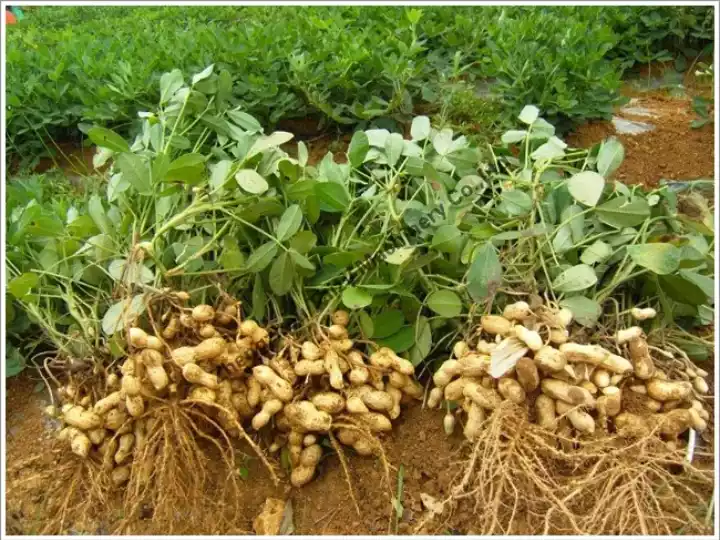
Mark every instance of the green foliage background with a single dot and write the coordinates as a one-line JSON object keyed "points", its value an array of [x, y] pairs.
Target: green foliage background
{"points": [[344, 65]]}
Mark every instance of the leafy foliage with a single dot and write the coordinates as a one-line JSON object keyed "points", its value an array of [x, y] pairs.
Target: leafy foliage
{"points": [[347, 65], [410, 234]]}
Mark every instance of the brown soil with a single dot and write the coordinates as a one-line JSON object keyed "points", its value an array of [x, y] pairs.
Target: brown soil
{"points": [[324, 506], [672, 151]]}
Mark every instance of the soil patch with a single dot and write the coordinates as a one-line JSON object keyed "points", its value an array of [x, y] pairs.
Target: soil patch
{"points": [[672, 151], [417, 446]]}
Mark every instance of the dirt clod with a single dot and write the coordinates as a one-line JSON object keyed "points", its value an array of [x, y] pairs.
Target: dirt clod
{"points": [[271, 517]]}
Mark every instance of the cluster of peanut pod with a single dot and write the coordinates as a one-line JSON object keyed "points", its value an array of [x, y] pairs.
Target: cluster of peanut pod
{"points": [[526, 356], [208, 357]]}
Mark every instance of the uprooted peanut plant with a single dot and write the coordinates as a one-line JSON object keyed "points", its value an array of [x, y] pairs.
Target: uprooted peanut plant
{"points": [[418, 237], [205, 373], [556, 426]]}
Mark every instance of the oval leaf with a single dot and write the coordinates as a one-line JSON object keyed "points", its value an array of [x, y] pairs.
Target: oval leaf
{"points": [[387, 323], [333, 197], [610, 157], [355, 298], [577, 278], [529, 114], [586, 187], [122, 313], [585, 311], [107, 138], [289, 223], [251, 181], [445, 303], [400, 341], [282, 273], [659, 258], [358, 149], [447, 238], [420, 128], [621, 212], [261, 257]]}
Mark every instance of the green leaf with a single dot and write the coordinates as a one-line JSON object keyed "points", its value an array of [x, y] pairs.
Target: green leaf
{"points": [[21, 285], [136, 171], [289, 223], [122, 313], [400, 341], [99, 216], [220, 174], [282, 274], [399, 255], [358, 149], [553, 149], [423, 341], [251, 181], [366, 324], [575, 222], [299, 191], [485, 274], [515, 203], [563, 241], [445, 303], [447, 239], [586, 312], [682, 290], [705, 283], [169, 84], [231, 256], [300, 260], [420, 128], [15, 362], [107, 138], [586, 187], [610, 157], [302, 154], [621, 212], [529, 114], [270, 141], [204, 74], [130, 273], [245, 121], [355, 298], [659, 258], [343, 259], [387, 323], [513, 136], [393, 148], [258, 299], [333, 197], [576, 278], [597, 252], [303, 241], [188, 168], [261, 257]]}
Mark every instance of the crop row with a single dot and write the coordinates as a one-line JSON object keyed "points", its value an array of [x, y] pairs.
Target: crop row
{"points": [[343, 65]]}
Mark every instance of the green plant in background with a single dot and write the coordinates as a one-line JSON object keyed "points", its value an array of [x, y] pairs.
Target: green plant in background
{"points": [[563, 69], [659, 34], [701, 105], [414, 235], [347, 65]]}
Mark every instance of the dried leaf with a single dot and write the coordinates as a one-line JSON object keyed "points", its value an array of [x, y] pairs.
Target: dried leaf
{"points": [[506, 355]]}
